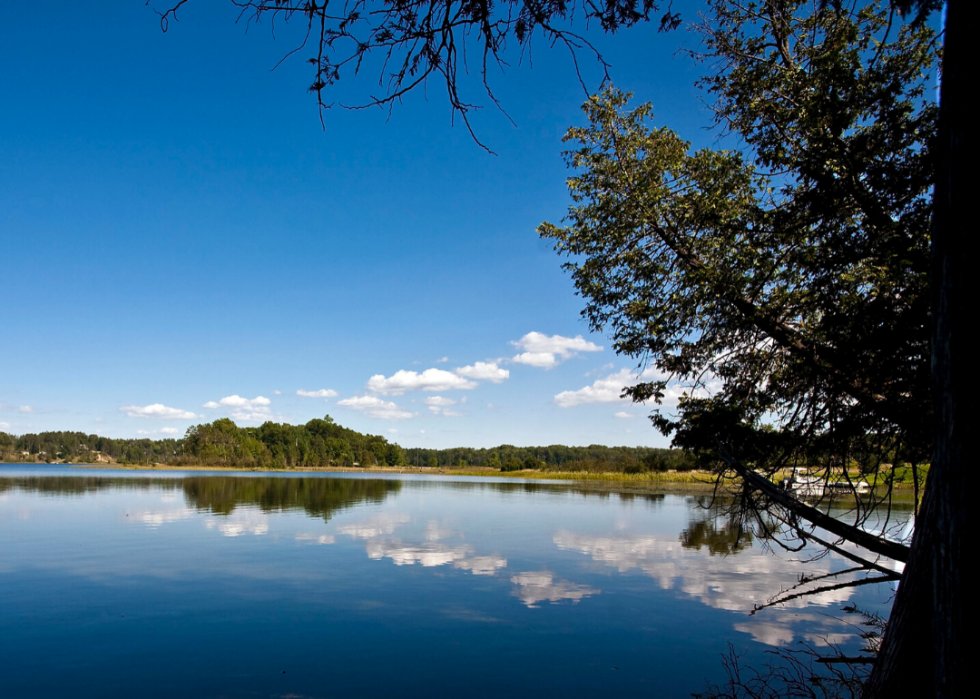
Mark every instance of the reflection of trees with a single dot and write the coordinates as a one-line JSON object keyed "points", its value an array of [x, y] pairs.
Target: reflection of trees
{"points": [[82, 485], [318, 497], [598, 489], [717, 536]]}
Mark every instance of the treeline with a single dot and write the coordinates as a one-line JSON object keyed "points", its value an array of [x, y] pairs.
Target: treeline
{"points": [[322, 443], [78, 447], [317, 444], [557, 457]]}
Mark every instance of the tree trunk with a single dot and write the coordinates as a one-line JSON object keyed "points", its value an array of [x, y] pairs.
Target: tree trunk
{"points": [[922, 654]]}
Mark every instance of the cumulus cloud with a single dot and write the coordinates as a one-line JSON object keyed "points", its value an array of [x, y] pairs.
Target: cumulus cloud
{"points": [[245, 409], [256, 415], [237, 401], [277, 393], [321, 393], [442, 361], [440, 405], [25, 409], [546, 351], [605, 390], [544, 360], [375, 407], [158, 411], [4, 425], [484, 371], [623, 415], [439, 400], [163, 430], [428, 380]]}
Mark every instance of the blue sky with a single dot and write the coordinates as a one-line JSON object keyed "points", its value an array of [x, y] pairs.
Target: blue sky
{"points": [[179, 231]]}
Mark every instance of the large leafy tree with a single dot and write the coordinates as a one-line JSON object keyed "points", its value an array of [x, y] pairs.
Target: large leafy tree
{"points": [[783, 284]]}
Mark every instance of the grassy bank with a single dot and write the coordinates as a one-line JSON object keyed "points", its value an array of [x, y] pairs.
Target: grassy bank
{"points": [[648, 478]]}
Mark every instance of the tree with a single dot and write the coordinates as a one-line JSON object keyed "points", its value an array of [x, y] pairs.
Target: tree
{"points": [[787, 285], [787, 282]]}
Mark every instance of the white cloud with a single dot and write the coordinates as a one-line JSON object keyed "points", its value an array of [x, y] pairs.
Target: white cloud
{"points": [[439, 405], [256, 415], [158, 411], [442, 361], [606, 390], [623, 415], [237, 401], [4, 425], [245, 409], [428, 380], [277, 393], [484, 371], [546, 351], [322, 393], [439, 400], [545, 360], [375, 407], [25, 409], [163, 430]]}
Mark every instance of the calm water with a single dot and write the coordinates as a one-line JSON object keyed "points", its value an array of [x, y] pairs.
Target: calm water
{"points": [[120, 585]]}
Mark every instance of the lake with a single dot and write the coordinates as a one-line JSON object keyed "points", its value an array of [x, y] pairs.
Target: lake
{"points": [[137, 584]]}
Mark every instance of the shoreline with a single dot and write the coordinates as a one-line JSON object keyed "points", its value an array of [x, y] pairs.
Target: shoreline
{"points": [[690, 478], [687, 477]]}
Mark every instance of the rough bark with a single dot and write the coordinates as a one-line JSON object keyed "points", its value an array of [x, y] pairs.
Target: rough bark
{"points": [[922, 653]]}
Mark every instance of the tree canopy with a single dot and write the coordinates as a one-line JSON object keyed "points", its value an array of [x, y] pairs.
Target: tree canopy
{"points": [[784, 285]]}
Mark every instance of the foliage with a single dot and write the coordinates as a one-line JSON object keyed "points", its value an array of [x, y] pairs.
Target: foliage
{"points": [[318, 443], [784, 286], [557, 457]]}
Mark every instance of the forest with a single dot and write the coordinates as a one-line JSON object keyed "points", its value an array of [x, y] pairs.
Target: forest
{"points": [[322, 443]]}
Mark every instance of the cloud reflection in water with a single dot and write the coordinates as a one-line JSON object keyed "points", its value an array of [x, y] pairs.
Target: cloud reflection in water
{"points": [[541, 586]]}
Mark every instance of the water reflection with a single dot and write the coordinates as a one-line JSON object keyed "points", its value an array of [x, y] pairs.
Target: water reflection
{"points": [[541, 586], [221, 495], [541, 543]]}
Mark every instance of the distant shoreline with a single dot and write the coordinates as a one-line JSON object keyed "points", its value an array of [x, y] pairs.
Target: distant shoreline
{"points": [[688, 477]]}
